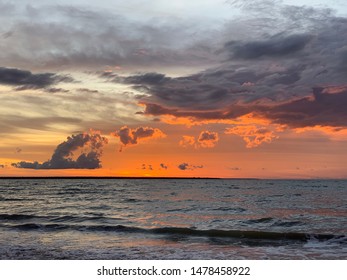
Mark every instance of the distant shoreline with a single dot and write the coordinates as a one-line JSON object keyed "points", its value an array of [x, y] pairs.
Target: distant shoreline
{"points": [[120, 177], [154, 178]]}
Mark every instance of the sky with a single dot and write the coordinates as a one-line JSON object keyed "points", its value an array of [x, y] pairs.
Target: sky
{"points": [[208, 88]]}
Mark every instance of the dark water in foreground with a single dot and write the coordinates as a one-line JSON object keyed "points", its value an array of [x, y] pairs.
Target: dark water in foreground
{"points": [[172, 219]]}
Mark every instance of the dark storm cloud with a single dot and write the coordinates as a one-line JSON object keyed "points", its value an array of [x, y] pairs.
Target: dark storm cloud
{"points": [[275, 46], [186, 166], [22, 79], [272, 78], [62, 156], [322, 109], [343, 61], [221, 114], [256, 70]]}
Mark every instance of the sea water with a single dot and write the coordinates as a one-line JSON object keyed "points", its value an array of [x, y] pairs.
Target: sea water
{"points": [[172, 219]]}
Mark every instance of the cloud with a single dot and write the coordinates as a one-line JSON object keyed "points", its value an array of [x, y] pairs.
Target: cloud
{"points": [[318, 108], [91, 150], [87, 90], [55, 90], [2, 166], [24, 80], [253, 135], [163, 166], [206, 139], [321, 108], [186, 166], [275, 46], [144, 79], [70, 38], [128, 136], [14, 123], [234, 168], [187, 141], [146, 166], [183, 166], [275, 74]]}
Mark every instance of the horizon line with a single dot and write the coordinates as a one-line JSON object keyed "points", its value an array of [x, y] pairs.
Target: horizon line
{"points": [[160, 177]]}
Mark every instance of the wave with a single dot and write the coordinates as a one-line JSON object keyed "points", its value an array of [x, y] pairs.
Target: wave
{"points": [[187, 232], [56, 219], [274, 222], [16, 217]]}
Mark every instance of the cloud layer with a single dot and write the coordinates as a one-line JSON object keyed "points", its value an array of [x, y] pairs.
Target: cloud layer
{"points": [[286, 77], [75, 37]]}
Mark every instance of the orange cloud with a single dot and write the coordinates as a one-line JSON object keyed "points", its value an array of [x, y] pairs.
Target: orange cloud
{"points": [[128, 136], [187, 141], [335, 89], [335, 133], [249, 118], [253, 135], [206, 139]]}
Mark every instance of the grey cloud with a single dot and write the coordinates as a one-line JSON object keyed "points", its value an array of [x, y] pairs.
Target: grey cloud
{"points": [[321, 109], [75, 37], [221, 114], [343, 60], [163, 166], [23, 79], [278, 74], [7, 8], [275, 46], [146, 79], [87, 90], [186, 166], [147, 167], [62, 156], [183, 166], [208, 136], [55, 90]]}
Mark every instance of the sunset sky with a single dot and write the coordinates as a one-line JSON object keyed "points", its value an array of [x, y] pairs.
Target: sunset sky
{"points": [[199, 88]]}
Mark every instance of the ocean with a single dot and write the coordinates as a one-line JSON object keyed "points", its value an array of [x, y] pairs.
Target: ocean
{"points": [[151, 219]]}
